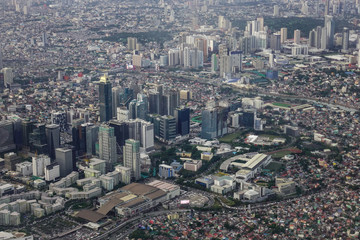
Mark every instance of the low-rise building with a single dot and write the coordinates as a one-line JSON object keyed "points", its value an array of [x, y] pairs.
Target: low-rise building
{"points": [[166, 171], [24, 168], [192, 165], [223, 184]]}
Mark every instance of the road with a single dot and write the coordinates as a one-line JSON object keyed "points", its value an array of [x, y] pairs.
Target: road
{"points": [[136, 218]]}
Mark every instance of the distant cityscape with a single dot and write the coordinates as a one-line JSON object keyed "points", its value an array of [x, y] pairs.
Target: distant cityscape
{"points": [[197, 119]]}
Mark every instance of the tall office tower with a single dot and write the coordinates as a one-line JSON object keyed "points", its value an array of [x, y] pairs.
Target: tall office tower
{"points": [[182, 116], [38, 141], [44, 39], [276, 11], [147, 136], [122, 114], [225, 66], [214, 122], [358, 59], [297, 34], [170, 101], [39, 163], [132, 157], [141, 107], [327, 7], [174, 57], [10, 161], [214, 63], [132, 109], [53, 139], [92, 135], [201, 44], [78, 138], [271, 60], [107, 146], [115, 100], [236, 58], [318, 37], [64, 157], [27, 128], [248, 118], [283, 35], [121, 132], [7, 142], [1, 59], [324, 39], [345, 40], [131, 43], [155, 102], [330, 31], [311, 42], [275, 42], [8, 76], [261, 23], [2, 81], [105, 97], [166, 128], [60, 119]]}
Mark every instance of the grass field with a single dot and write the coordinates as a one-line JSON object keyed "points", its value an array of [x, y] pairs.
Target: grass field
{"points": [[281, 105], [230, 137], [271, 137], [274, 166], [281, 154]]}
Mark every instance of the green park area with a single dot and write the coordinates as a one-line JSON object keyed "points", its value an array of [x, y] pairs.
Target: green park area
{"points": [[285, 105], [230, 137], [274, 166], [281, 153]]}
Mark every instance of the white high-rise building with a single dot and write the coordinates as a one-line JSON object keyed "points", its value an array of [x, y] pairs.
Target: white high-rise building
{"points": [[107, 146], [297, 34], [283, 33], [132, 157], [8, 76], [39, 163]]}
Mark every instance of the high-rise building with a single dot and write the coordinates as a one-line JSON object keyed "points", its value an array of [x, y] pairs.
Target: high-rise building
{"points": [[345, 40], [275, 42], [131, 43], [27, 128], [318, 37], [60, 118], [283, 35], [167, 128], [324, 39], [214, 63], [115, 100], [276, 11], [7, 139], [327, 7], [236, 61], [132, 157], [52, 171], [39, 163], [260, 20], [10, 161], [1, 59], [107, 146], [182, 116], [64, 157], [92, 135], [214, 122], [8, 76], [312, 42], [53, 138], [170, 101], [330, 31], [121, 131], [37, 139], [105, 97], [78, 131], [297, 34]]}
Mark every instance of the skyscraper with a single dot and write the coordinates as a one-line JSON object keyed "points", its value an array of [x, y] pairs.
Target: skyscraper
{"points": [[182, 116], [297, 34], [92, 134], [132, 157], [131, 43], [345, 40], [311, 42], [53, 138], [214, 122], [8, 76], [283, 34], [1, 59], [64, 157], [107, 146], [105, 97], [330, 31]]}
